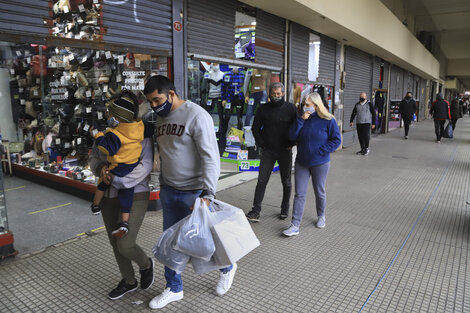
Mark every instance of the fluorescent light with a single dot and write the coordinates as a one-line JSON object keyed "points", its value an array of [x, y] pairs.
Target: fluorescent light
{"points": [[253, 23]]}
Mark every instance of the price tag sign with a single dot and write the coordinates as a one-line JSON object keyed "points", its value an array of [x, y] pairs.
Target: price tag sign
{"points": [[57, 141], [108, 54], [73, 153], [105, 88], [38, 80], [22, 101], [81, 8], [228, 105], [20, 89], [257, 88], [84, 59], [88, 93], [86, 127], [249, 72], [97, 55], [66, 9], [94, 132], [207, 75], [262, 102], [227, 79], [121, 59], [209, 102], [77, 36], [36, 93], [28, 60], [137, 63], [67, 145], [74, 75], [118, 78], [251, 101], [128, 62], [18, 53], [79, 141], [71, 56], [100, 115], [88, 109], [12, 71]]}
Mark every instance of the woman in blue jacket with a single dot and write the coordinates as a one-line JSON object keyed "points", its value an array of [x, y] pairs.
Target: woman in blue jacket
{"points": [[317, 135]]}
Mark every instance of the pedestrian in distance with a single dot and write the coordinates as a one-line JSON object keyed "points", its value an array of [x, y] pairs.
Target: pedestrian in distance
{"points": [[190, 166], [364, 113], [125, 248], [407, 110], [440, 112], [317, 135], [270, 129], [456, 111]]}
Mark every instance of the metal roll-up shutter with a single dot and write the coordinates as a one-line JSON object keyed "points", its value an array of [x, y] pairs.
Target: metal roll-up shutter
{"points": [[408, 83], [422, 104], [327, 61], [385, 75], [269, 39], [299, 52], [358, 68], [147, 24], [24, 16], [211, 27], [396, 84], [376, 72]]}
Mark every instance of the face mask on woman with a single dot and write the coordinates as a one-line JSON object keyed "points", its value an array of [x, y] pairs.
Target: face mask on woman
{"points": [[309, 109]]}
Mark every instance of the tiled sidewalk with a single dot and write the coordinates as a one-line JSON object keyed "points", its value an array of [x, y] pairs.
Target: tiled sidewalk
{"points": [[396, 240]]}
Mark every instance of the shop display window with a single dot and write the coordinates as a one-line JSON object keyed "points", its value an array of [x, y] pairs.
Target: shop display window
{"points": [[231, 94], [59, 93], [301, 91], [245, 33]]}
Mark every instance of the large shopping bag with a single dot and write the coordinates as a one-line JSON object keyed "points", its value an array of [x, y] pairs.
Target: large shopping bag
{"points": [[195, 237], [201, 266], [164, 249], [448, 131], [233, 238]]}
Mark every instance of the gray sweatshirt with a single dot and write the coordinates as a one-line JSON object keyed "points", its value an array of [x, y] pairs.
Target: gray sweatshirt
{"points": [[188, 149]]}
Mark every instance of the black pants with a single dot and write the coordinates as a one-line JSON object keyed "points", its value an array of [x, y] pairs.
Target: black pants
{"points": [[454, 122], [268, 159], [406, 124], [363, 133], [224, 118], [439, 128]]}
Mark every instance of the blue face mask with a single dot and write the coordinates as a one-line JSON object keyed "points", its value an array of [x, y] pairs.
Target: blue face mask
{"points": [[307, 109], [113, 122], [163, 109]]}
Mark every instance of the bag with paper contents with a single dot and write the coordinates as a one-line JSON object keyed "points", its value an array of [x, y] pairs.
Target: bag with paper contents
{"points": [[195, 238], [233, 237], [164, 249]]}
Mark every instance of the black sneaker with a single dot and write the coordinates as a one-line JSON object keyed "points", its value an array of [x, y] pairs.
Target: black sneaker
{"points": [[366, 152], [122, 230], [95, 209], [360, 152], [121, 290], [146, 276], [283, 215], [252, 216]]}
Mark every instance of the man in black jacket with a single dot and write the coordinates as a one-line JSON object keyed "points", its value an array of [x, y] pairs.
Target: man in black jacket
{"points": [[365, 112], [440, 111], [270, 129], [407, 109]]}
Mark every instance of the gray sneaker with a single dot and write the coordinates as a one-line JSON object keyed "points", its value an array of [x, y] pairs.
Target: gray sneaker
{"points": [[320, 222], [291, 231]]}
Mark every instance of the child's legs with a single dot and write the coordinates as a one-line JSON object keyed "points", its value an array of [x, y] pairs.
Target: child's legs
{"points": [[99, 193], [125, 197]]}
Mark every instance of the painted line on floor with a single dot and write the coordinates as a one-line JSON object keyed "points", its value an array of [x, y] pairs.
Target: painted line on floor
{"points": [[55, 207], [92, 231], [15, 188], [412, 229]]}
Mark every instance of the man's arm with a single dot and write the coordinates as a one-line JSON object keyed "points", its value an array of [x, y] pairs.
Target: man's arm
{"points": [[141, 171], [256, 128], [206, 144], [353, 115]]}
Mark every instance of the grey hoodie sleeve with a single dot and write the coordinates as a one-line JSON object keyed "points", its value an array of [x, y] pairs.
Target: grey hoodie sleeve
{"points": [[206, 144]]}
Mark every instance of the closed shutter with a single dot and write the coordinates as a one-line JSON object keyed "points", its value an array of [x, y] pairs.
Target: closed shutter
{"points": [[147, 24], [269, 39], [376, 72], [422, 103], [408, 84], [385, 75], [211, 28], [358, 67], [25, 17], [327, 62], [396, 84], [299, 52]]}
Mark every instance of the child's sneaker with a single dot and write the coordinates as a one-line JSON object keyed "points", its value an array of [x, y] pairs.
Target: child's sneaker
{"points": [[122, 230], [95, 209]]}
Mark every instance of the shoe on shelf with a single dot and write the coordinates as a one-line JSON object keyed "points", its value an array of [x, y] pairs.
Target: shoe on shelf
{"points": [[146, 276], [122, 289], [320, 222], [360, 152], [291, 231], [366, 151], [95, 209], [252, 216], [122, 230], [167, 296], [225, 281]]}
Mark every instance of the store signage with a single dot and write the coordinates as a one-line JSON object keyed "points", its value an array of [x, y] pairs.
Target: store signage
{"points": [[134, 80], [178, 26]]}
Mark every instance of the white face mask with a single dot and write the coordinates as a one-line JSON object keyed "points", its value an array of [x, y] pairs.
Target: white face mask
{"points": [[309, 109]]}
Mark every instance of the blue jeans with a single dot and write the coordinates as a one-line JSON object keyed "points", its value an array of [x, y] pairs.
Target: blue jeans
{"points": [[176, 205], [302, 175], [258, 97]]}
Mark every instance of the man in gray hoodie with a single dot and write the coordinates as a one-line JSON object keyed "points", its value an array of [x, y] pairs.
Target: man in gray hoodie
{"points": [[365, 112], [190, 168]]}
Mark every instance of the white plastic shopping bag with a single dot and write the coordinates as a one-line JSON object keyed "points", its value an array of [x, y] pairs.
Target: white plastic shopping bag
{"points": [[195, 238], [164, 249], [233, 238]]}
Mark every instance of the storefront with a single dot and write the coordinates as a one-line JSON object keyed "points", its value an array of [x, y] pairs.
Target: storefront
{"points": [[358, 68], [380, 92], [234, 53], [64, 61], [396, 95]]}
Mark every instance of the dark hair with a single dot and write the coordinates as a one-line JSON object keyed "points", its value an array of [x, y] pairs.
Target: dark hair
{"points": [[409, 92], [159, 83], [130, 95]]}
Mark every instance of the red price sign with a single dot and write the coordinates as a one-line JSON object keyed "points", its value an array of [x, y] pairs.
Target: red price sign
{"points": [[178, 26]]}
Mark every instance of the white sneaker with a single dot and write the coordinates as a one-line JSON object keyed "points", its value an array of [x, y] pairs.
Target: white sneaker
{"points": [[167, 296], [321, 222], [225, 281]]}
